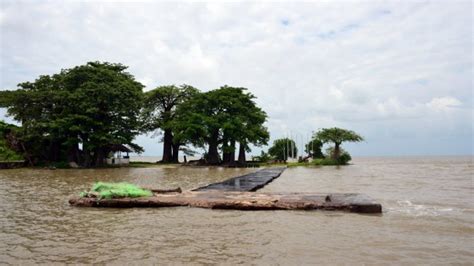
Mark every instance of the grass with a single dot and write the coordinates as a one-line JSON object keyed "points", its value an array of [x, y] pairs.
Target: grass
{"points": [[315, 162], [139, 164]]}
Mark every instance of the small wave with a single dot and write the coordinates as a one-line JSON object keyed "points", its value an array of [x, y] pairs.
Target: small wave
{"points": [[407, 207]]}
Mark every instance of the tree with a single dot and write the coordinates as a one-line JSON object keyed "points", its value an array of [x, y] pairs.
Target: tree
{"points": [[220, 118], [283, 149], [337, 136], [313, 148], [244, 123], [344, 156], [159, 112], [263, 157], [8, 148], [96, 105]]}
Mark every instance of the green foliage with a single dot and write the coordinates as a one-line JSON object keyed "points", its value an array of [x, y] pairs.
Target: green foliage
{"points": [[263, 157], [337, 135], [221, 117], [117, 190], [315, 162], [313, 148], [160, 104], [282, 149], [159, 112], [343, 158], [96, 104], [324, 161], [7, 154], [6, 151]]}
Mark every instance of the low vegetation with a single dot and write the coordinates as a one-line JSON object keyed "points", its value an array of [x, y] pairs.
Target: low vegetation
{"points": [[7, 150], [283, 149]]}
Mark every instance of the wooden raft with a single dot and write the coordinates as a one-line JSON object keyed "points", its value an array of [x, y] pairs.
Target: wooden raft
{"points": [[242, 201], [237, 193]]}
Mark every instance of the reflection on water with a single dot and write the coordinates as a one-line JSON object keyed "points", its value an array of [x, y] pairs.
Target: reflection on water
{"points": [[428, 215]]}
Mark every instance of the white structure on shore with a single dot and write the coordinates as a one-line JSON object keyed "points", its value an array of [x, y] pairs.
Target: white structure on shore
{"points": [[116, 157]]}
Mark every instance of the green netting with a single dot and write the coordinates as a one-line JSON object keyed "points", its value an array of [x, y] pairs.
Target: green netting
{"points": [[118, 190]]}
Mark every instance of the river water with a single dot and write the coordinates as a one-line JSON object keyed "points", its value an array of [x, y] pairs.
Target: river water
{"points": [[427, 219]]}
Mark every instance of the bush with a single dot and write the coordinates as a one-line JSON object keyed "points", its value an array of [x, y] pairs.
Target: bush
{"points": [[344, 157], [324, 161], [7, 153], [264, 157]]}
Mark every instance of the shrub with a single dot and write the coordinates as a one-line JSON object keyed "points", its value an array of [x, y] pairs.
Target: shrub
{"points": [[7, 152], [344, 157], [263, 157]]}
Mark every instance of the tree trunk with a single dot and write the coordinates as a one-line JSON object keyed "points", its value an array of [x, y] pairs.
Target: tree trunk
{"points": [[337, 151], [99, 157], [167, 146], [175, 153], [242, 158], [231, 159], [87, 155], [225, 152], [213, 153], [54, 151], [72, 154]]}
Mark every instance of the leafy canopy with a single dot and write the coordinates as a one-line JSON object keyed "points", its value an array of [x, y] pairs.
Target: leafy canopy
{"points": [[219, 116], [337, 135], [160, 104], [282, 149], [96, 104], [313, 148]]}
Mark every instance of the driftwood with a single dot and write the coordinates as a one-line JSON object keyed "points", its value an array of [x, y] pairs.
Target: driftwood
{"points": [[164, 191], [242, 201]]}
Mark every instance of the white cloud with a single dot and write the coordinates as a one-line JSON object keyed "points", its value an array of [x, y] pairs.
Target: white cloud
{"points": [[444, 103], [364, 66]]}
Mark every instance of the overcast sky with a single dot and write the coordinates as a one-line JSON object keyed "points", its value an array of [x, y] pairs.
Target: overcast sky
{"points": [[399, 73]]}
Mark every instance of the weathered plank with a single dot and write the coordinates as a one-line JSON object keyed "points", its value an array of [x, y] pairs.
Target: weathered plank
{"points": [[248, 182], [243, 201]]}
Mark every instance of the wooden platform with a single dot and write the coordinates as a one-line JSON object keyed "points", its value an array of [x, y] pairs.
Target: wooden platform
{"points": [[248, 182], [358, 203], [237, 193]]}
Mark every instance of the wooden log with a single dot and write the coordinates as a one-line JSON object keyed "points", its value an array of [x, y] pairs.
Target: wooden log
{"points": [[164, 191], [242, 201]]}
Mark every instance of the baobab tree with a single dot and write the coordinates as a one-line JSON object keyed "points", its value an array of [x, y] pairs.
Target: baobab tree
{"points": [[337, 136]]}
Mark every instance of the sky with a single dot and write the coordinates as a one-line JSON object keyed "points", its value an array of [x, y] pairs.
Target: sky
{"points": [[399, 73]]}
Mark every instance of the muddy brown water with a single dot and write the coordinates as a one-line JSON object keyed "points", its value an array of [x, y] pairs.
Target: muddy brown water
{"points": [[428, 218]]}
